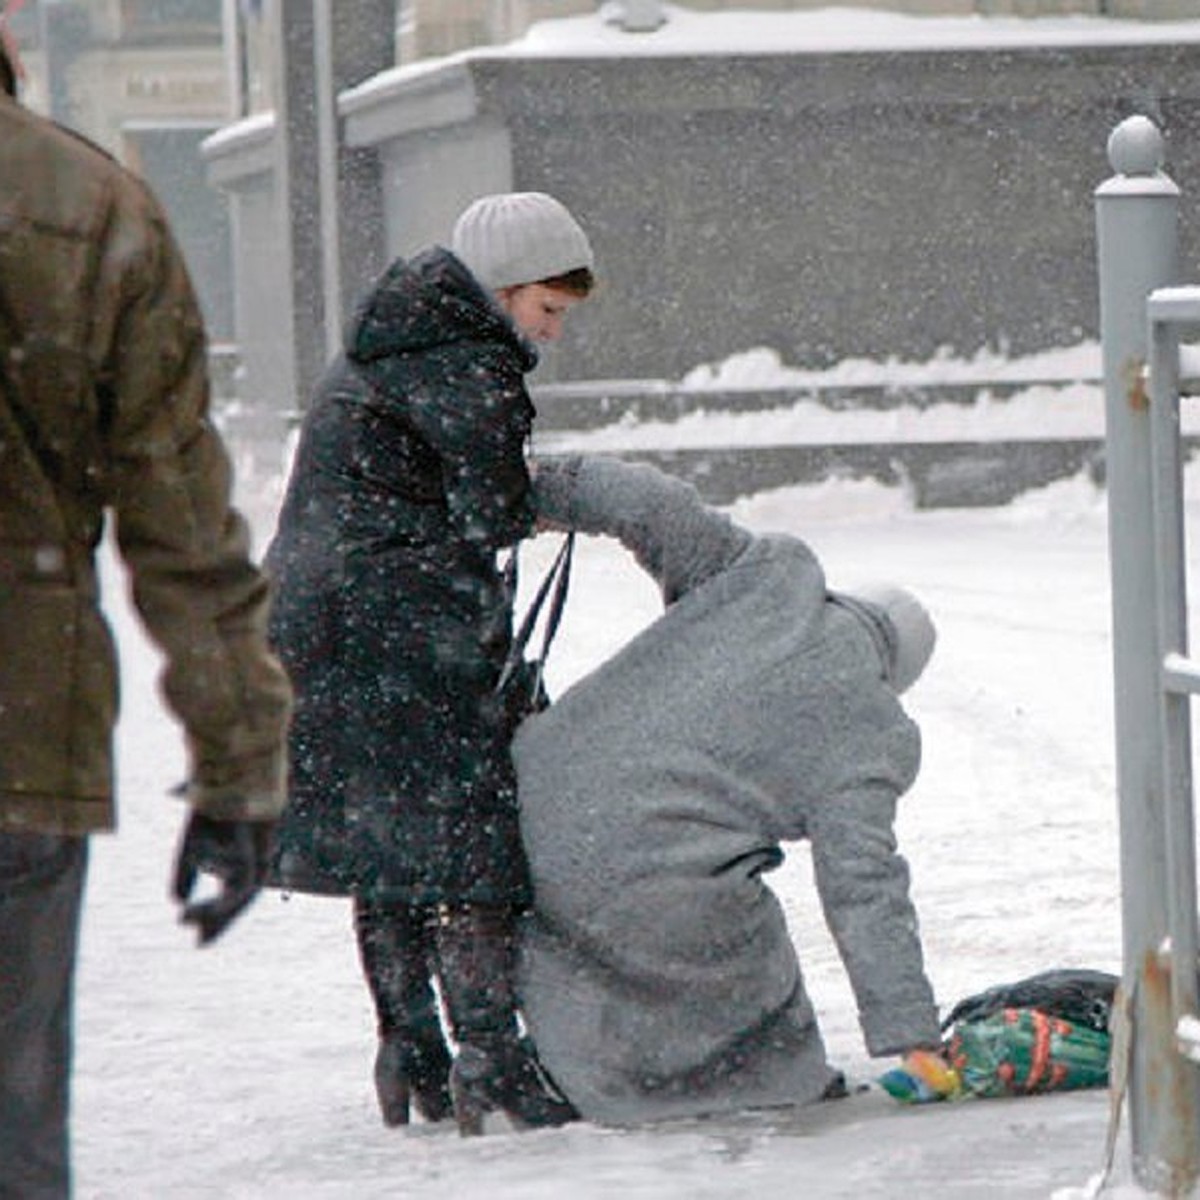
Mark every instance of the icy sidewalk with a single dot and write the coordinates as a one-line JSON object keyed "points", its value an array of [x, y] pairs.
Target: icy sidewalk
{"points": [[1033, 1148]]}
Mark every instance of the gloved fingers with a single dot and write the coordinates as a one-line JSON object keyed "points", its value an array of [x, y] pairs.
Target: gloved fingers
{"points": [[185, 877], [237, 851], [233, 852], [212, 917], [196, 833], [923, 1077]]}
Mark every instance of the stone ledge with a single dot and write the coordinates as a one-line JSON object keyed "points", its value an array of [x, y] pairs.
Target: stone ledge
{"points": [[593, 405]]}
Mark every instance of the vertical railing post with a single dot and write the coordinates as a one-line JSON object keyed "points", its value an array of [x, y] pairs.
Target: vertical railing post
{"points": [[1138, 251], [1169, 309]]}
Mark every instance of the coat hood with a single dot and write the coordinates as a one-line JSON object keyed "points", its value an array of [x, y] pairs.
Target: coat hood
{"points": [[427, 301]]}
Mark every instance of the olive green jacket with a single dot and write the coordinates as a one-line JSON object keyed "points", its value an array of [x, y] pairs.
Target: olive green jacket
{"points": [[104, 408]]}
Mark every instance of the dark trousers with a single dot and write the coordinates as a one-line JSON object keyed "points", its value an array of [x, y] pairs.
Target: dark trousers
{"points": [[469, 949], [41, 892], [399, 959]]}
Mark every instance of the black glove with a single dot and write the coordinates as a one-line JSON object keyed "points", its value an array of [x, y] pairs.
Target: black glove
{"points": [[236, 852]]}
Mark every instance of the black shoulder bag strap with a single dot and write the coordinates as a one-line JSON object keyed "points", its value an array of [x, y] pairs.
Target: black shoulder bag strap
{"points": [[558, 578]]}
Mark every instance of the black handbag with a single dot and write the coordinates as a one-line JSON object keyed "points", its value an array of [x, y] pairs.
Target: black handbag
{"points": [[521, 689]]}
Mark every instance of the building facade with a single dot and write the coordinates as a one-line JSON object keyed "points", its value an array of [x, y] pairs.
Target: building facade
{"points": [[287, 193], [431, 28]]}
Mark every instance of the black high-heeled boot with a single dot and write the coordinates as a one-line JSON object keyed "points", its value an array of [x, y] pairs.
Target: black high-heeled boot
{"points": [[412, 1062], [496, 1069], [412, 1070], [506, 1077]]}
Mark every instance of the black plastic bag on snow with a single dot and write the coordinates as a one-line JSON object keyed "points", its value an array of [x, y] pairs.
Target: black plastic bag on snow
{"points": [[1076, 994]]}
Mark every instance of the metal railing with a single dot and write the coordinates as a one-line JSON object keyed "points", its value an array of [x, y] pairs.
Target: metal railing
{"points": [[1168, 311], [1142, 311]]}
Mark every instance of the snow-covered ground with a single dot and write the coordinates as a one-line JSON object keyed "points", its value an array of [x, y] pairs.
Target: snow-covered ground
{"points": [[243, 1070]]}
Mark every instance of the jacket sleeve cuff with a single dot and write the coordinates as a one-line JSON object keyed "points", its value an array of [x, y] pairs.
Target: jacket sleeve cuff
{"points": [[554, 485], [897, 1031], [251, 791]]}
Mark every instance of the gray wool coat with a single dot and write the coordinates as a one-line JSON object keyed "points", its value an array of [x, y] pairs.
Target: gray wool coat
{"points": [[657, 973]]}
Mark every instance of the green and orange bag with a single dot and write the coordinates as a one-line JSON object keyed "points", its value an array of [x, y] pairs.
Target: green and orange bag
{"points": [[1046, 1033], [1024, 1051]]}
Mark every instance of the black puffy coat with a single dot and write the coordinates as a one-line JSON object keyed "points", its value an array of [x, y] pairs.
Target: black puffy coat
{"points": [[390, 611]]}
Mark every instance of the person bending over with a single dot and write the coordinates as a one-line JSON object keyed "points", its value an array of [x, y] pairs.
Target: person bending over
{"points": [[658, 977]]}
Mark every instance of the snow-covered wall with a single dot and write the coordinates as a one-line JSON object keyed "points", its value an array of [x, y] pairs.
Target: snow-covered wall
{"points": [[838, 205], [825, 185]]}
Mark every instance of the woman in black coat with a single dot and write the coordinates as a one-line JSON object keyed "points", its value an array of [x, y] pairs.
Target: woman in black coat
{"points": [[393, 618]]}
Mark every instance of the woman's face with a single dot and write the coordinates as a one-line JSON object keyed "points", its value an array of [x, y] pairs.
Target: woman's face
{"points": [[537, 310]]}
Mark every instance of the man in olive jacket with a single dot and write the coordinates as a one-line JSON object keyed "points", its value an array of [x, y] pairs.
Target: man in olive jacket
{"points": [[104, 408]]}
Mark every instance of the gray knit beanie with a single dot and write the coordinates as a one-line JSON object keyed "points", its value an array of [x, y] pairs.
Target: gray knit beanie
{"points": [[914, 631], [519, 237]]}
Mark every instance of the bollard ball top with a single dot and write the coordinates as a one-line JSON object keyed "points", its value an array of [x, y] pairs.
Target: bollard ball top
{"points": [[1135, 147]]}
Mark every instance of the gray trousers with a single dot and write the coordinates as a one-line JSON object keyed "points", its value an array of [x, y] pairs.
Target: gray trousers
{"points": [[41, 892]]}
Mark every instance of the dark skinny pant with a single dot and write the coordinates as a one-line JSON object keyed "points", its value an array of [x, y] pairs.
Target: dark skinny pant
{"points": [[41, 894], [398, 955], [469, 949]]}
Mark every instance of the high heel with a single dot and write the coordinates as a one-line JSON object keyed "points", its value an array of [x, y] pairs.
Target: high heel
{"points": [[391, 1082], [467, 1090], [504, 1078], [496, 1068], [412, 1070], [412, 1062]]}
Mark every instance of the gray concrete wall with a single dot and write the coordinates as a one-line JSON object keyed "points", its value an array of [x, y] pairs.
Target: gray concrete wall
{"points": [[831, 206], [827, 206], [437, 151], [242, 163], [427, 181]]}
